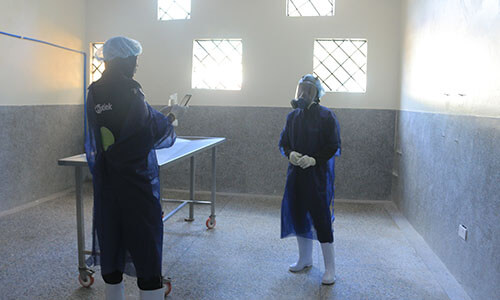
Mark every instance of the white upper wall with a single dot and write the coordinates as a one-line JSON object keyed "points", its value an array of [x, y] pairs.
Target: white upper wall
{"points": [[277, 50], [451, 61], [36, 74]]}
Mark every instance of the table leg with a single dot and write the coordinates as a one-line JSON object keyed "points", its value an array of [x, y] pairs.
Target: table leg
{"points": [[214, 183], [80, 227], [191, 189], [161, 197]]}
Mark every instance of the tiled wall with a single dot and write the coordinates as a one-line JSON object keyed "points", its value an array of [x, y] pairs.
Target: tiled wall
{"points": [[250, 162], [32, 139], [448, 169]]}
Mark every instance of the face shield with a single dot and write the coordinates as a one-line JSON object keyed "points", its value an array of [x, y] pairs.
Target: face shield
{"points": [[306, 94]]}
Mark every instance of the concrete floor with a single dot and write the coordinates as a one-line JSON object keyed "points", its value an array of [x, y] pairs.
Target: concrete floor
{"points": [[242, 258]]}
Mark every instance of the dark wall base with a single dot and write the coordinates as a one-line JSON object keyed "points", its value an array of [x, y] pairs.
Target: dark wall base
{"points": [[32, 139], [449, 174], [35, 137], [250, 161]]}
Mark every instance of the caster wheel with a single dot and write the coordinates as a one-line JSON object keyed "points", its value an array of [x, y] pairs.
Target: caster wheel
{"points": [[210, 223], [168, 289], [86, 283]]}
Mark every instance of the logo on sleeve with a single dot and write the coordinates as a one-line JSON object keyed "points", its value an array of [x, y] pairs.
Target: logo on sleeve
{"points": [[99, 108]]}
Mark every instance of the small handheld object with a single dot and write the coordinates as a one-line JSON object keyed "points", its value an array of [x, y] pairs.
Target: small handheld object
{"points": [[186, 99], [184, 102]]}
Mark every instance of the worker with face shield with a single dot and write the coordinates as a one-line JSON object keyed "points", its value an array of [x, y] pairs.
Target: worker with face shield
{"points": [[123, 133], [310, 141]]}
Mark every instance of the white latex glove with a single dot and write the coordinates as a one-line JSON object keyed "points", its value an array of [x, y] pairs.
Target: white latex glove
{"points": [[306, 162], [294, 158], [178, 111]]}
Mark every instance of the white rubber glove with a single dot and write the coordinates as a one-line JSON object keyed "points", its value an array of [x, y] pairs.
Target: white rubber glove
{"points": [[294, 158], [178, 111], [306, 162]]}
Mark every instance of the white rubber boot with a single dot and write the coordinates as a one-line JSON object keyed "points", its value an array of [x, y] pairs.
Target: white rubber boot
{"points": [[115, 291], [158, 294], [305, 255], [329, 257]]}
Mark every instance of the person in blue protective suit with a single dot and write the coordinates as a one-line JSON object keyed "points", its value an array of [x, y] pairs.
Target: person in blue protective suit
{"points": [[310, 141], [123, 133]]}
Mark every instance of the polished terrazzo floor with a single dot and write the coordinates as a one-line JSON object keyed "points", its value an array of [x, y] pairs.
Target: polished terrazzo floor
{"points": [[242, 258]]}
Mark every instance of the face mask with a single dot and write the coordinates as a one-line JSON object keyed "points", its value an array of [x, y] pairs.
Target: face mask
{"points": [[306, 93], [300, 103]]}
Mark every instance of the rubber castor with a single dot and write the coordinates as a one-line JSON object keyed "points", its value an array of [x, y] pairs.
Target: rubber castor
{"points": [[86, 283], [210, 223], [168, 289]]}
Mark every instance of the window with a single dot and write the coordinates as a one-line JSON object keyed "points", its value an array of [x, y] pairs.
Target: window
{"points": [[217, 64], [97, 66], [310, 8], [341, 64], [174, 10]]}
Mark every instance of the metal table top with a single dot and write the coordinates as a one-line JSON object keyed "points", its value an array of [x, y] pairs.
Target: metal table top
{"points": [[183, 147]]}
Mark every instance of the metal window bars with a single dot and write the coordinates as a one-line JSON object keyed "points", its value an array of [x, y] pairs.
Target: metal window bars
{"points": [[174, 10], [310, 8], [97, 66], [217, 64], [341, 64]]}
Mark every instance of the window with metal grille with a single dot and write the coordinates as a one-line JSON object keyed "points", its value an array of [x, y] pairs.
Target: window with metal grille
{"points": [[310, 8], [97, 66], [217, 64], [174, 10], [341, 64]]}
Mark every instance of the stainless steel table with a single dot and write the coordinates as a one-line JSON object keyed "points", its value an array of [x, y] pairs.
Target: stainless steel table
{"points": [[184, 148]]}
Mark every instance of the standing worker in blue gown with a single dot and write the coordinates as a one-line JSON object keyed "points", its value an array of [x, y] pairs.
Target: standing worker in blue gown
{"points": [[124, 131], [310, 141]]}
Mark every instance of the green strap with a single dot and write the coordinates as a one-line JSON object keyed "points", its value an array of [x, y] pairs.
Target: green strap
{"points": [[107, 138]]}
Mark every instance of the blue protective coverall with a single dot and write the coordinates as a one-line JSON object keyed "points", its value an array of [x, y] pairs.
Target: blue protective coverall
{"points": [[124, 131], [309, 193]]}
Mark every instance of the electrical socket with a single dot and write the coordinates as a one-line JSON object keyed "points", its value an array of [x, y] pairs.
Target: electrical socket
{"points": [[462, 232]]}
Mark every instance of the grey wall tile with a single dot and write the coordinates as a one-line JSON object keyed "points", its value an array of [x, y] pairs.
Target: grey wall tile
{"points": [[32, 139], [449, 174], [250, 162]]}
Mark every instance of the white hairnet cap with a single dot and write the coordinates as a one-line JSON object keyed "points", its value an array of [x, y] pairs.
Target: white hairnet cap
{"points": [[119, 46]]}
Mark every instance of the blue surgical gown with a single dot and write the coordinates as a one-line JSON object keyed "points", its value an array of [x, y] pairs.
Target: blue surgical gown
{"points": [[123, 133], [307, 206]]}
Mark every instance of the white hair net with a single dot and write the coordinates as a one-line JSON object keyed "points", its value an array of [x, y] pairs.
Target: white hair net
{"points": [[119, 46]]}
